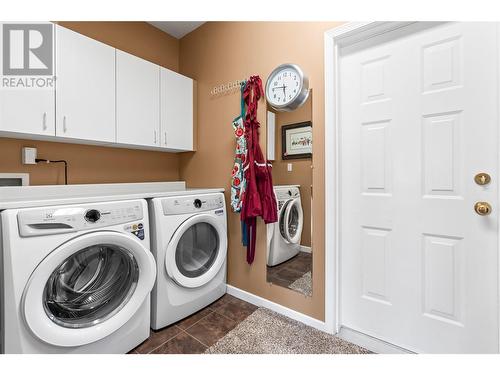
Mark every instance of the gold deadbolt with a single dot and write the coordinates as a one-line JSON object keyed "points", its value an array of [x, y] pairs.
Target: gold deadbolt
{"points": [[482, 208], [482, 178]]}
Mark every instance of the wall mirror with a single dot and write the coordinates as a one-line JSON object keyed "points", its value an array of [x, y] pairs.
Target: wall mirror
{"points": [[289, 250]]}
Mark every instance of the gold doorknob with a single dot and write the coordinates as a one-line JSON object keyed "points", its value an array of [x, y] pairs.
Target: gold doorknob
{"points": [[482, 178], [482, 208]]}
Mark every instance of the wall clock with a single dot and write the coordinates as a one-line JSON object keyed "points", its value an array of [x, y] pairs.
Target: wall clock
{"points": [[287, 88]]}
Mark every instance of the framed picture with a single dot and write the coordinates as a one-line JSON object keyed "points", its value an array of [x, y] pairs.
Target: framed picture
{"points": [[296, 141]]}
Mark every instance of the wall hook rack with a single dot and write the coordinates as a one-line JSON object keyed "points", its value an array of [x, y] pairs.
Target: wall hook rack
{"points": [[227, 88]]}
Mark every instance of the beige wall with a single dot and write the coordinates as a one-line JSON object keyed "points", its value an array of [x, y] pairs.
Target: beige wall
{"points": [[94, 164], [215, 53], [220, 52], [301, 173], [88, 164]]}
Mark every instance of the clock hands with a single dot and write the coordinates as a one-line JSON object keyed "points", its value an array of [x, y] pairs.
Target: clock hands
{"points": [[281, 87]]}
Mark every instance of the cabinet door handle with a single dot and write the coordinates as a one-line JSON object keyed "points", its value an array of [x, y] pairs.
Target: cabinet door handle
{"points": [[44, 121], [165, 138], [155, 136], [64, 124]]}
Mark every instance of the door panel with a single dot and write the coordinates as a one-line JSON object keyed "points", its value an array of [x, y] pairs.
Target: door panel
{"points": [[137, 100], [85, 95], [176, 111], [26, 110], [418, 121]]}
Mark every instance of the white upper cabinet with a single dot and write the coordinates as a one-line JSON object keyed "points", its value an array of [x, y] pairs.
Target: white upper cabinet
{"points": [[85, 88], [92, 93], [25, 108], [176, 106], [137, 101]]}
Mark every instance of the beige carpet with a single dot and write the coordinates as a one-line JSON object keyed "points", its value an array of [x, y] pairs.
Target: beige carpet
{"points": [[266, 332], [303, 285]]}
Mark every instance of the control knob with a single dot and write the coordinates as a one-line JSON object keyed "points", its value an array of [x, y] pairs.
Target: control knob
{"points": [[92, 216]]}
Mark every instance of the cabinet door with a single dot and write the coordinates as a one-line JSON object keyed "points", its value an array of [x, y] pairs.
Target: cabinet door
{"points": [[25, 109], [85, 88], [137, 101], [176, 111]]}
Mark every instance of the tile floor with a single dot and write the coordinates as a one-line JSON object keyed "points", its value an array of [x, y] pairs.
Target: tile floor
{"points": [[286, 273], [197, 332]]}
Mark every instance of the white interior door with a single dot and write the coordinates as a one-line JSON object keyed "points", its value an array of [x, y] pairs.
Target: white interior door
{"points": [[418, 120]]}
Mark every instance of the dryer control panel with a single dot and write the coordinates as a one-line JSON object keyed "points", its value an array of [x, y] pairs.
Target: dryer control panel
{"points": [[63, 219], [192, 204]]}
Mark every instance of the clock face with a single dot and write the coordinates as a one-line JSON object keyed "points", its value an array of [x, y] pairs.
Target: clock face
{"points": [[284, 86], [287, 88]]}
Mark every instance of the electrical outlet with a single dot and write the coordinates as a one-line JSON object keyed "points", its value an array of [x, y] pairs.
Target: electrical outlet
{"points": [[29, 155], [289, 167]]}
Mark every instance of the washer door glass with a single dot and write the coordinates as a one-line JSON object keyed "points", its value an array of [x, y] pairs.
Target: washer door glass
{"points": [[90, 286], [290, 222], [197, 249]]}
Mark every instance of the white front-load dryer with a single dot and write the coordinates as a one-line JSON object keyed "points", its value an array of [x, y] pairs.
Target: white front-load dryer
{"points": [[189, 242], [284, 236], [76, 278]]}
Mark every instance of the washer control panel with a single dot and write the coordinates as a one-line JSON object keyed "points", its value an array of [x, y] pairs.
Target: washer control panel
{"points": [[61, 219], [198, 203], [287, 193]]}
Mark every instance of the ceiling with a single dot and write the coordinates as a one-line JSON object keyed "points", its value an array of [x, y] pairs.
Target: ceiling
{"points": [[177, 28]]}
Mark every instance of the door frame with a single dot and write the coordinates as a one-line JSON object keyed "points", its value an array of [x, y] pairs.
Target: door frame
{"points": [[334, 39]]}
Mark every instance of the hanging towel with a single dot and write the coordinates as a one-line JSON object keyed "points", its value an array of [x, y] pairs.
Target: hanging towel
{"points": [[259, 199]]}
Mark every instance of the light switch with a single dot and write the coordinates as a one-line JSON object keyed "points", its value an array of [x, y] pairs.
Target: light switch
{"points": [[289, 167], [29, 155]]}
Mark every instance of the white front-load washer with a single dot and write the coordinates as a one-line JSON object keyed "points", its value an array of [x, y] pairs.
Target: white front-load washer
{"points": [[283, 237], [76, 278], [189, 242]]}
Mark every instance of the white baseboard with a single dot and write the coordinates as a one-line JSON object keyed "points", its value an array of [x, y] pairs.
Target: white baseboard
{"points": [[305, 249], [370, 342], [262, 302]]}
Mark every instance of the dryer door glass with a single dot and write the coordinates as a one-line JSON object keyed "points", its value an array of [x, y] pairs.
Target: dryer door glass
{"points": [[91, 286], [197, 249]]}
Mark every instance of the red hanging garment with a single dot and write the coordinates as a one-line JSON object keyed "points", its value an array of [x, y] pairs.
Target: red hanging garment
{"points": [[259, 199]]}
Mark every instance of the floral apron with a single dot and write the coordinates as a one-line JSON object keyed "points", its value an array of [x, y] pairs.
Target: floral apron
{"points": [[238, 181]]}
